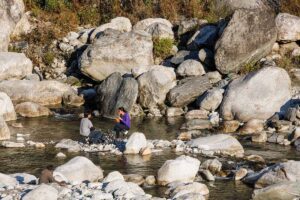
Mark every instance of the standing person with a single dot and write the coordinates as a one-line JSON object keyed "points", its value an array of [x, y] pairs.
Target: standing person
{"points": [[123, 122], [86, 125]]}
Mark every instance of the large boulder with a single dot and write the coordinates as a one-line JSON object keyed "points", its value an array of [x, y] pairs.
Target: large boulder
{"points": [[115, 92], [280, 191], [7, 109], [116, 52], [154, 86], [6, 180], [287, 171], [244, 100], [121, 24], [135, 143], [41, 92], [29, 109], [249, 36], [4, 130], [288, 27], [42, 192], [219, 144], [14, 66], [11, 12], [188, 90], [187, 166], [77, 170]]}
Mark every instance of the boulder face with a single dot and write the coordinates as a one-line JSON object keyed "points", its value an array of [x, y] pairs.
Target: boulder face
{"points": [[77, 170], [154, 86], [116, 52], [29, 109], [7, 109], [280, 191], [249, 36], [144, 24], [219, 144], [4, 130], [187, 166], [190, 68], [41, 92], [135, 143], [211, 100], [7, 180], [288, 27], [14, 66], [115, 92], [42, 192], [11, 12], [187, 92], [258, 95]]}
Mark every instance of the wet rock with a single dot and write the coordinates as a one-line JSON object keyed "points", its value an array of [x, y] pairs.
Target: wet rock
{"points": [[197, 124], [60, 155], [77, 170], [70, 99], [100, 59], [173, 112], [213, 165], [39, 145], [253, 126], [230, 126], [154, 86], [186, 165], [243, 101], [134, 178], [280, 191], [191, 88], [112, 176], [41, 92], [211, 100], [9, 144], [247, 50], [185, 136], [288, 27], [190, 68], [4, 130], [145, 151], [260, 137], [197, 114], [115, 92], [135, 143], [30, 109], [6, 180], [255, 159], [7, 109], [42, 192], [214, 77], [219, 144], [70, 145], [240, 174]]}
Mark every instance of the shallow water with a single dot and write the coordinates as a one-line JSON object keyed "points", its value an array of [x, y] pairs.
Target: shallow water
{"points": [[32, 160]]}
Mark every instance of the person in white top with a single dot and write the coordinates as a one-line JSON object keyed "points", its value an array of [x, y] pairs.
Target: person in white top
{"points": [[86, 125]]}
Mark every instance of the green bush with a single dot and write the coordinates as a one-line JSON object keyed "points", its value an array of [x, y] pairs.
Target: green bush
{"points": [[48, 58], [162, 47]]}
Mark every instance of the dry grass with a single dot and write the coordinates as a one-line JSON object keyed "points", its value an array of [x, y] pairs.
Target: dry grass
{"points": [[291, 6]]}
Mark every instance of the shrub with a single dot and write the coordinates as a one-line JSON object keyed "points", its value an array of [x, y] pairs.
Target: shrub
{"points": [[48, 58], [250, 67], [89, 15], [162, 47]]}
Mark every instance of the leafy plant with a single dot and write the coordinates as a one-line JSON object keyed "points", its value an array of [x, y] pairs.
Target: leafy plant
{"points": [[48, 58], [162, 47]]}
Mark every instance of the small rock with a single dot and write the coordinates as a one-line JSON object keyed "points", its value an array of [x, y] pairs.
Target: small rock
{"points": [[145, 151], [197, 114], [260, 138], [150, 180], [212, 165], [112, 176], [60, 155], [9, 144], [240, 174], [39, 145], [17, 125], [230, 126], [255, 159]]}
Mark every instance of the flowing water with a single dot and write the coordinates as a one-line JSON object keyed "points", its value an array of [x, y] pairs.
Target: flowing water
{"points": [[31, 160]]}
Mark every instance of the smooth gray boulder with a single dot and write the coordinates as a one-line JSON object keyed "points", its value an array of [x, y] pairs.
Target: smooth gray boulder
{"points": [[48, 92], [288, 27], [211, 100], [29, 109], [249, 36], [218, 144], [42, 192], [77, 170], [160, 31], [244, 100], [4, 130], [11, 12], [187, 166], [154, 86], [190, 68], [145, 23], [7, 110], [135, 143], [279, 191], [116, 52], [187, 92], [14, 66], [115, 92], [112, 176], [206, 36]]}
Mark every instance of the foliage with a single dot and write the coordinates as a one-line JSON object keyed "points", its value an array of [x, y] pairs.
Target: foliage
{"points": [[290, 6], [48, 58], [162, 47], [250, 67]]}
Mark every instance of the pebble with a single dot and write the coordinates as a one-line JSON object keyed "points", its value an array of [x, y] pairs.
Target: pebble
{"points": [[60, 155]]}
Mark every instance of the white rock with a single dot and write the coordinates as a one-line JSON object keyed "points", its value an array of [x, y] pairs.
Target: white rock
{"points": [[42, 192], [190, 68], [7, 109], [288, 27], [60, 155], [211, 100], [112, 176], [135, 143], [144, 24], [6, 180], [9, 144]]}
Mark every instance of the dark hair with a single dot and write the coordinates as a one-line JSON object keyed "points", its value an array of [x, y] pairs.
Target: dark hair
{"points": [[122, 109], [92, 129], [86, 114], [50, 167]]}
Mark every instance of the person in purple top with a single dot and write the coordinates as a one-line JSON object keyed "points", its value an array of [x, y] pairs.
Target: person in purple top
{"points": [[123, 122]]}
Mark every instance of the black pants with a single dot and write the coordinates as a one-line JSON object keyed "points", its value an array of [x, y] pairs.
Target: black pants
{"points": [[119, 127]]}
